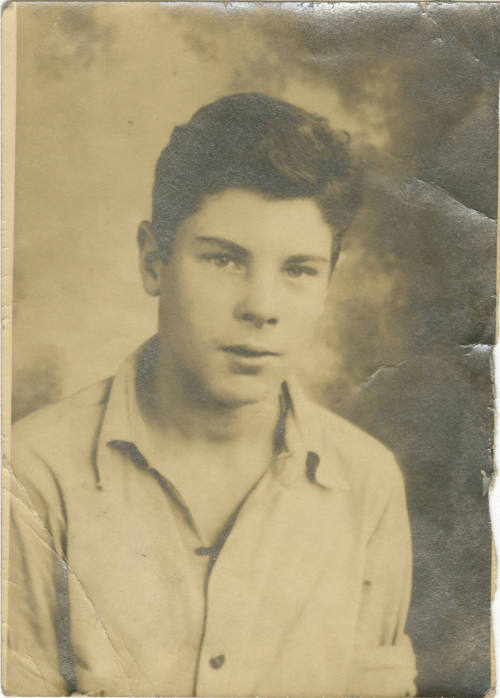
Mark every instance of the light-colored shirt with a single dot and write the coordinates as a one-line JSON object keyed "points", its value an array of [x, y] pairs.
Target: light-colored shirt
{"points": [[111, 592]]}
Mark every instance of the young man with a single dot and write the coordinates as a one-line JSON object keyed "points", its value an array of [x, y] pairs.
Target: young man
{"points": [[195, 525]]}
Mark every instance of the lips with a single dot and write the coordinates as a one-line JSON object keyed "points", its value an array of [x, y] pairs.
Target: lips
{"points": [[248, 351]]}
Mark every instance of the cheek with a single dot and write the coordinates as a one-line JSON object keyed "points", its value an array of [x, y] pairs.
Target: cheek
{"points": [[195, 301], [306, 309], [302, 322]]}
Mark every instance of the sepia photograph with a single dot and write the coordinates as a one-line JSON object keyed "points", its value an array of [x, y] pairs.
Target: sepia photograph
{"points": [[249, 278]]}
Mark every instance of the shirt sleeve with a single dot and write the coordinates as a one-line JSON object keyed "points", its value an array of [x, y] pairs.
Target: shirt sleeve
{"points": [[384, 661], [38, 661]]}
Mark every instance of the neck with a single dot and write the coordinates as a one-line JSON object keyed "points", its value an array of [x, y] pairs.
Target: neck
{"points": [[171, 401]]}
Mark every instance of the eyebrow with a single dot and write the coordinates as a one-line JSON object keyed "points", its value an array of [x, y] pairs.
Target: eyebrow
{"points": [[301, 258], [225, 244], [233, 247]]}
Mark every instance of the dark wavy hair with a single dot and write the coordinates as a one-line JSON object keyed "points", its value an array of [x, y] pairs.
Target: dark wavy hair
{"points": [[259, 143]]}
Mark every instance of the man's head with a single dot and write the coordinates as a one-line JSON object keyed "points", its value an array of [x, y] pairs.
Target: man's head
{"points": [[255, 142], [250, 200]]}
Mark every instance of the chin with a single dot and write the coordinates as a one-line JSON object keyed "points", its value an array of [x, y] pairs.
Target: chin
{"points": [[244, 390]]}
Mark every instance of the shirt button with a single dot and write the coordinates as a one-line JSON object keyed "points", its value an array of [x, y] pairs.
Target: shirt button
{"points": [[217, 662]]}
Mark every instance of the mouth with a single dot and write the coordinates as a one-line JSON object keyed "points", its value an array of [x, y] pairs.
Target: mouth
{"points": [[248, 351]]}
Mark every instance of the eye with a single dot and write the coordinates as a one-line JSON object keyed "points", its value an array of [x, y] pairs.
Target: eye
{"points": [[298, 270], [224, 261]]}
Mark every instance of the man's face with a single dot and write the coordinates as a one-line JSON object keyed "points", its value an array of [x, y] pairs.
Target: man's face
{"points": [[242, 292]]}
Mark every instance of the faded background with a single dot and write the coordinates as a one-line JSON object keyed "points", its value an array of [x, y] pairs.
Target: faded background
{"points": [[407, 341]]}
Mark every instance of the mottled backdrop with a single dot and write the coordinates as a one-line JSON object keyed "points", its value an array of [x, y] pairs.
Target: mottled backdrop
{"points": [[407, 341]]}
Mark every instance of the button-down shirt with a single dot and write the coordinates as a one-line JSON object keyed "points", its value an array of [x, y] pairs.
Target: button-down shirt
{"points": [[111, 592]]}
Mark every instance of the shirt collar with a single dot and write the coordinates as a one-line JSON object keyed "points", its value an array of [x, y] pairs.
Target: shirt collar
{"points": [[308, 429], [299, 438]]}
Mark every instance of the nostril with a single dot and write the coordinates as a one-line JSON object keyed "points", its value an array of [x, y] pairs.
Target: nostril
{"points": [[257, 319]]}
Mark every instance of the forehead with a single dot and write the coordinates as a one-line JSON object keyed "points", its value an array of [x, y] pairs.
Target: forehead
{"points": [[251, 218]]}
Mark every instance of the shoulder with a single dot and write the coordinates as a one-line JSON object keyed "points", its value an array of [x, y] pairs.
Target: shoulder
{"points": [[63, 417], [67, 427], [363, 466], [358, 458]]}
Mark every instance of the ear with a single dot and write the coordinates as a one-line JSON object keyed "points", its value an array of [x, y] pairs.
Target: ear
{"points": [[150, 262]]}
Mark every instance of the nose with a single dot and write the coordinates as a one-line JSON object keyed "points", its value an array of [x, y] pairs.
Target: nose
{"points": [[258, 306]]}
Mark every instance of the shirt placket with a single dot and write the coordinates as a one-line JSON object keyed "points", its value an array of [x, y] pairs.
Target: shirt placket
{"points": [[212, 650], [229, 597]]}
